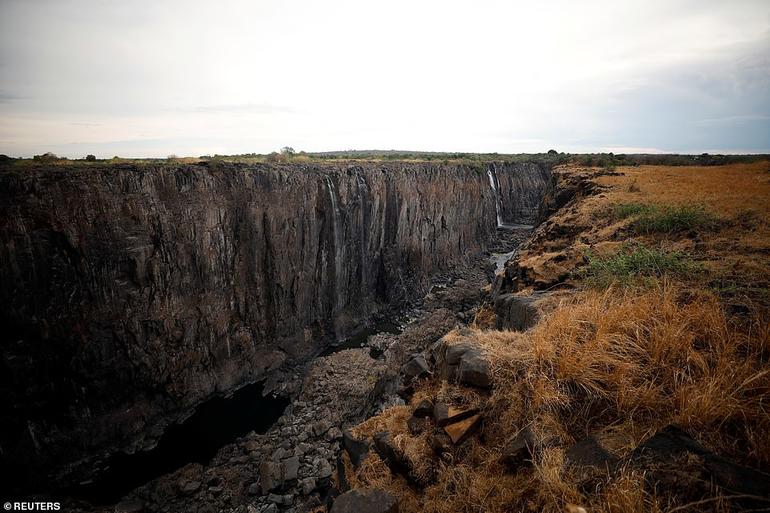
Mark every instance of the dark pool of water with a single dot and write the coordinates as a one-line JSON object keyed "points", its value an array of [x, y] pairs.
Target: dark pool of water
{"points": [[215, 423], [360, 339]]}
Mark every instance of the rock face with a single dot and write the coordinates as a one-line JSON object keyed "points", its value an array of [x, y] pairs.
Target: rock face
{"points": [[365, 500], [134, 290]]}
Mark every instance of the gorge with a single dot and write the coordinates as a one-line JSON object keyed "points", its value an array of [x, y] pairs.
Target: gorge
{"points": [[134, 292]]}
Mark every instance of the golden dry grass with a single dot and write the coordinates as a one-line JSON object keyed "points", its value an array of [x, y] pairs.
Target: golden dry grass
{"points": [[620, 364]]}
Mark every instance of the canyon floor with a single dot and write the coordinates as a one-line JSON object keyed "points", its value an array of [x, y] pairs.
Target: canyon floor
{"points": [[644, 383]]}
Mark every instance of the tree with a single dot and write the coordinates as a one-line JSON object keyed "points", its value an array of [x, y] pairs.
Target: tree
{"points": [[90, 158], [46, 157], [287, 150], [552, 152]]}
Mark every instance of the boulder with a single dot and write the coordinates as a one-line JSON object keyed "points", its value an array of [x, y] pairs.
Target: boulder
{"points": [[589, 454], [460, 431], [269, 476], [445, 414], [423, 409], [129, 506], [289, 468], [518, 451], [365, 500], [474, 370], [671, 450], [415, 368], [390, 454], [357, 449], [307, 485], [462, 362]]}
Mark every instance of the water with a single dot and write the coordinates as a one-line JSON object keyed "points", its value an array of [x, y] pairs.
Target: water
{"points": [[498, 205], [499, 259], [338, 246], [215, 423]]}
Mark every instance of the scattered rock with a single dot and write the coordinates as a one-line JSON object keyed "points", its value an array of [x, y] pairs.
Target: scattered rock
{"points": [[589, 454], [307, 485], [459, 431], [387, 450], [270, 476], [334, 433], [284, 500], [357, 450], [671, 448], [463, 362], [475, 371], [289, 469], [215, 490], [254, 489], [365, 500], [188, 487], [416, 425], [445, 414], [271, 508], [415, 368], [423, 409], [440, 442], [518, 452], [129, 506]]}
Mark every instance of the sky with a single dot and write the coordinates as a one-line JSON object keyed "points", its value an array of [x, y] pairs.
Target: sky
{"points": [[145, 78]]}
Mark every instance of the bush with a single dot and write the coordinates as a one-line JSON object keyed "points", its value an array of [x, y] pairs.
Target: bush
{"points": [[90, 158], [635, 263], [666, 218]]}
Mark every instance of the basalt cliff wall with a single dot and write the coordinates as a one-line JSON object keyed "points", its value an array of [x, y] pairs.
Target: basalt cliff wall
{"points": [[131, 291]]}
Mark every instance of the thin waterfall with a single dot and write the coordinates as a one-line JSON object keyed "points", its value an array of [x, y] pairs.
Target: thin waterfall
{"points": [[337, 242], [493, 183]]}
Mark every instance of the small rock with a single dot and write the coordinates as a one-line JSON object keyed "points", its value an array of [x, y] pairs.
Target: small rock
{"points": [[415, 368], [474, 370], [365, 500], [445, 414], [416, 425], [129, 506], [440, 442], [461, 430], [215, 490], [357, 450], [324, 469], [188, 487], [271, 508], [423, 409], [590, 454], [254, 489], [307, 485], [284, 500], [518, 451], [270, 476], [334, 434], [290, 467]]}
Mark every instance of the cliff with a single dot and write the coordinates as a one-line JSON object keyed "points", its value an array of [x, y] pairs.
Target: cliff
{"points": [[133, 291]]}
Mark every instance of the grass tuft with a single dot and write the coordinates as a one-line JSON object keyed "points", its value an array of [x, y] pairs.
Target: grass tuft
{"points": [[634, 264], [650, 218]]}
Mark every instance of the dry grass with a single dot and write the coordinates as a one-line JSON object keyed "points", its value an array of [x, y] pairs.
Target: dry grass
{"points": [[620, 363]]}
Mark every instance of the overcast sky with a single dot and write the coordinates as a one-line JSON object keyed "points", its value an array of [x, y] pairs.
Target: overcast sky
{"points": [[188, 77]]}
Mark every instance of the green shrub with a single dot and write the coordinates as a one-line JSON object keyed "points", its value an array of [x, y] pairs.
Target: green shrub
{"points": [[665, 218], [635, 263]]}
